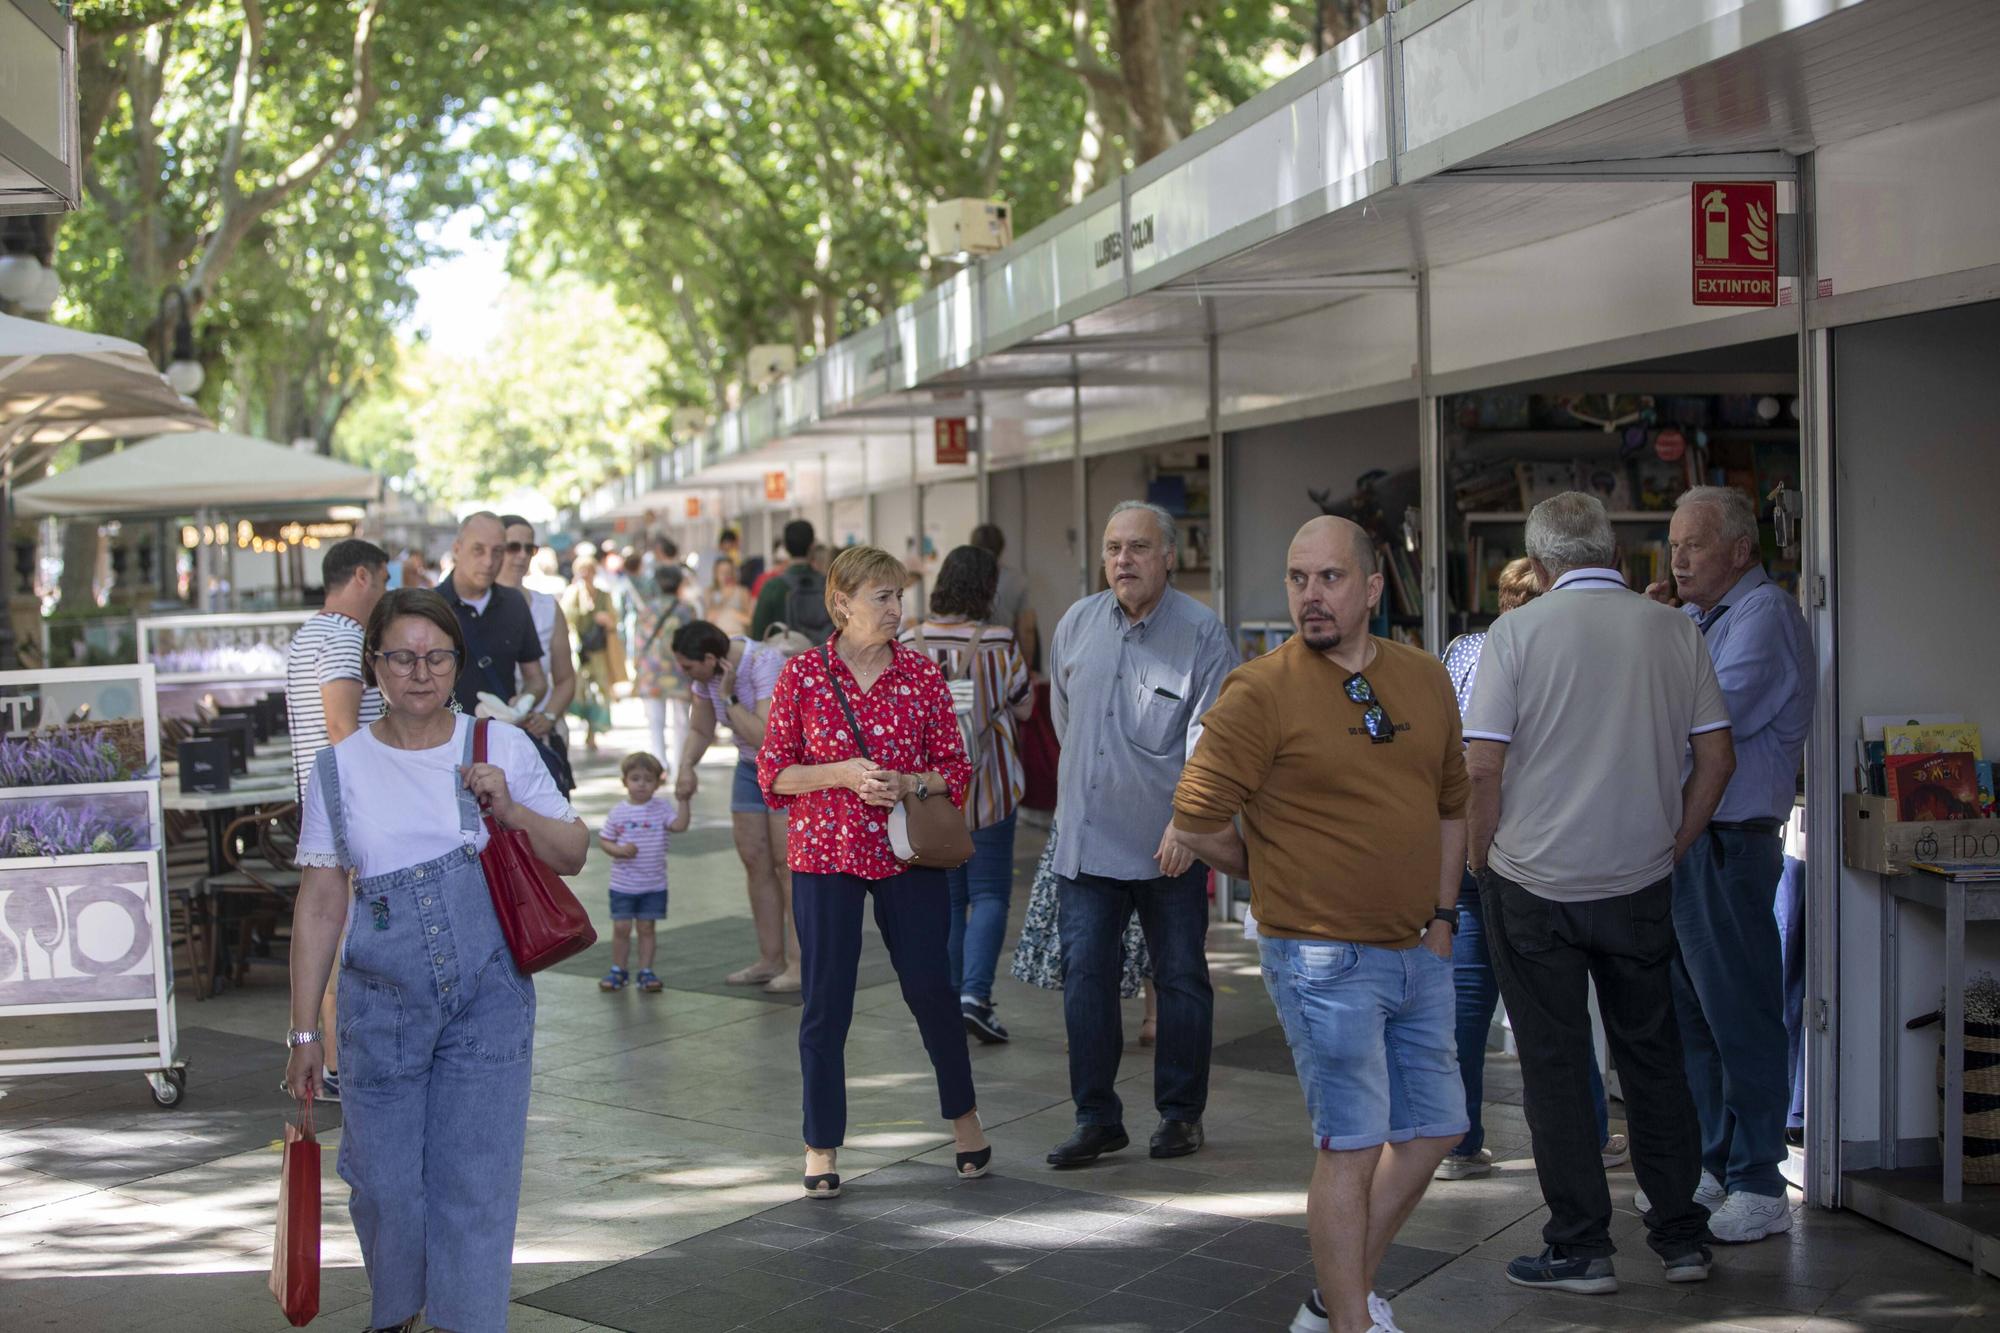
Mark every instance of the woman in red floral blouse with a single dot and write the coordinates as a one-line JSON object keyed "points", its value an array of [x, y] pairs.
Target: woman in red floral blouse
{"points": [[839, 850]]}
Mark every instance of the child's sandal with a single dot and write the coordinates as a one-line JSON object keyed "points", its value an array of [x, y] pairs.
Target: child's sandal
{"points": [[615, 979], [649, 982]]}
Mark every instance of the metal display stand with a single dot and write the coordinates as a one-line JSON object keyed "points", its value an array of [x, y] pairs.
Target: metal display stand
{"points": [[84, 931]]}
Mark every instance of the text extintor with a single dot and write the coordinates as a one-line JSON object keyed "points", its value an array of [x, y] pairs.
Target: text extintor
{"points": [[1735, 243]]}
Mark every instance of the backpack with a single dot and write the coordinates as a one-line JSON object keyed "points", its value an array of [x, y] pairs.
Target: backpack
{"points": [[805, 605]]}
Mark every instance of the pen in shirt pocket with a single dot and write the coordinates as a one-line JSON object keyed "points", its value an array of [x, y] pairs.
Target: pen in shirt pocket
{"points": [[1166, 693]]}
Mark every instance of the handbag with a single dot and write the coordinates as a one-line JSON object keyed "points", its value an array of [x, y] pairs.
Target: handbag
{"points": [[539, 916], [932, 833], [295, 1252]]}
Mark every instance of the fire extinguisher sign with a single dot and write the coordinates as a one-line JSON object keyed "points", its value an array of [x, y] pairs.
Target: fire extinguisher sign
{"points": [[1735, 243]]}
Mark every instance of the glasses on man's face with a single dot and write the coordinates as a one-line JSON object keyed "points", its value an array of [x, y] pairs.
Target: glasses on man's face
{"points": [[522, 548], [403, 662], [1374, 717]]}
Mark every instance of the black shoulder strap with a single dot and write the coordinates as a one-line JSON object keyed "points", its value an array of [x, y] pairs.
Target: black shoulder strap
{"points": [[861, 743]]}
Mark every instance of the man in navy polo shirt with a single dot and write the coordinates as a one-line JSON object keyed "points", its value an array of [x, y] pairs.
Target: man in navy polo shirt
{"points": [[503, 653]]}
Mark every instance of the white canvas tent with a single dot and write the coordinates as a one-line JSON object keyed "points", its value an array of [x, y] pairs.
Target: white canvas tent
{"points": [[58, 385], [203, 470]]}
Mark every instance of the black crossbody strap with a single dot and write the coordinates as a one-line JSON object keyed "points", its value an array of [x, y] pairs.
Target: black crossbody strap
{"points": [[826, 652]]}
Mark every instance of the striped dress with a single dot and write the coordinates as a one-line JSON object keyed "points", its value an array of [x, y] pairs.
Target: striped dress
{"points": [[1000, 681]]}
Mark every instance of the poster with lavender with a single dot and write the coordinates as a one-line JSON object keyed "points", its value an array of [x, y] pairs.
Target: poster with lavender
{"points": [[66, 728], [78, 935], [250, 646], [92, 821]]}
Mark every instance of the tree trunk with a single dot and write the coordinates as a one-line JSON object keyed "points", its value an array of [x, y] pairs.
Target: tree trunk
{"points": [[75, 591], [1142, 68]]}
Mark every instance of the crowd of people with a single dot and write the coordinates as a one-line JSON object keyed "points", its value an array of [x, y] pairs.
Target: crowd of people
{"points": [[1587, 796]]}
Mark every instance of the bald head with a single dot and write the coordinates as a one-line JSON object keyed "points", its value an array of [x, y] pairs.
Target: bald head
{"points": [[1330, 532], [1332, 588]]}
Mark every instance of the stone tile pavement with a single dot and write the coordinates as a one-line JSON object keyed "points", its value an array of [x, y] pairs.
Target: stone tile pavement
{"points": [[661, 1186]]}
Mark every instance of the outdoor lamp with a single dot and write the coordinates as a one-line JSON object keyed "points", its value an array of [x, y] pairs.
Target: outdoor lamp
{"points": [[183, 372], [43, 287], [20, 275]]}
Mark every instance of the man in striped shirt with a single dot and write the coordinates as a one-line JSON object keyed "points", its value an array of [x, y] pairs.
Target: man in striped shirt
{"points": [[326, 700]]}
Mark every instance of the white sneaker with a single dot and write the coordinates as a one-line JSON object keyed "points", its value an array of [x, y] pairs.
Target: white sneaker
{"points": [[1311, 1317], [1744, 1217], [1456, 1167], [1617, 1151], [1709, 1194]]}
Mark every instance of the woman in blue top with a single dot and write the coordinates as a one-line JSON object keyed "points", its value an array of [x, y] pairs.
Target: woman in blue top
{"points": [[1478, 991]]}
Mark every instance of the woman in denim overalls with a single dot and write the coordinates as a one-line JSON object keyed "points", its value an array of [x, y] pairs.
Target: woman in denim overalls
{"points": [[436, 1023]]}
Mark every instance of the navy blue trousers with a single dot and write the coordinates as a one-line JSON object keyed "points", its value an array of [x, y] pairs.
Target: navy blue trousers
{"points": [[913, 912]]}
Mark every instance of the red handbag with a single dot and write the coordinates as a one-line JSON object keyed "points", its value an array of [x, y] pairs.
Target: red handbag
{"points": [[541, 919], [295, 1255]]}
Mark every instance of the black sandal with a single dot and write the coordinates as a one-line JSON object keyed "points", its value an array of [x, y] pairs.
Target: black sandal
{"points": [[973, 1165], [825, 1186]]}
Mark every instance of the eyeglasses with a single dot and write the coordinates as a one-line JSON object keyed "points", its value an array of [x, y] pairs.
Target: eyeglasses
{"points": [[1375, 717], [522, 548], [403, 662]]}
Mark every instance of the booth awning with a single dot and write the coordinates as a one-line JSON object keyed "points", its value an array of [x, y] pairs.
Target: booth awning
{"points": [[59, 385], [178, 474], [39, 156]]}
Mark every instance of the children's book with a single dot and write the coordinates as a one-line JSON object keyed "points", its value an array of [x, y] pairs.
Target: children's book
{"points": [[1926, 787], [1989, 806], [1543, 481], [1945, 738], [1873, 724]]}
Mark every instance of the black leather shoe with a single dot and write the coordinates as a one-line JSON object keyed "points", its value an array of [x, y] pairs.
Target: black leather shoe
{"points": [[1177, 1138], [1089, 1143]]}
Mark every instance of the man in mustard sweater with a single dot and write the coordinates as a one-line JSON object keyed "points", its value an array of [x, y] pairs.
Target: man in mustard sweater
{"points": [[1341, 752]]}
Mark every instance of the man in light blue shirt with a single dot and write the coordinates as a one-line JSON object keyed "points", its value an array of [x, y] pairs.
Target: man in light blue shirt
{"points": [[1131, 671], [1728, 976]]}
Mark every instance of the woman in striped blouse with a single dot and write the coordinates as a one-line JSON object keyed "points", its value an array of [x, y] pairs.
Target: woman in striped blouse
{"points": [[989, 682]]}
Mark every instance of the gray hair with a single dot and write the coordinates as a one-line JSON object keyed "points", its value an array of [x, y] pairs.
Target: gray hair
{"points": [[1169, 529], [1735, 516], [1571, 531], [477, 515]]}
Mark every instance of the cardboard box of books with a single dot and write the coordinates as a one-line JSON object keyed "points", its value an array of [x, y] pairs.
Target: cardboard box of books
{"points": [[1873, 838]]}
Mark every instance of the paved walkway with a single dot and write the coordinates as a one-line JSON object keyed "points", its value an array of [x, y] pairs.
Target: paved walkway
{"points": [[661, 1187]]}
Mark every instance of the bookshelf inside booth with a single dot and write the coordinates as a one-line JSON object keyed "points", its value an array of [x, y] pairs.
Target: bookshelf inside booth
{"points": [[1506, 451], [1178, 480]]}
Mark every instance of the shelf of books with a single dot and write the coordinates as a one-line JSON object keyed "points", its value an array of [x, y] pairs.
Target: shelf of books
{"points": [[1507, 452], [1177, 480]]}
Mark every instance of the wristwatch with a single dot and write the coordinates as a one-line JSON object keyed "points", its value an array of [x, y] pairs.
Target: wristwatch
{"points": [[296, 1038], [923, 790], [1448, 915]]}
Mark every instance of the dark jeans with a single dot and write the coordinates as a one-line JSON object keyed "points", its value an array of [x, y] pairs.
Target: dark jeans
{"points": [[1478, 996], [1791, 915], [1547, 954], [1173, 913], [1729, 996], [980, 890], [911, 912]]}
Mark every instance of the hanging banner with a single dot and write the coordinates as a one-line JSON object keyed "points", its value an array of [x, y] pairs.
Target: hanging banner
{"points": [[774, 487], [952, 448], [1735, 243]]}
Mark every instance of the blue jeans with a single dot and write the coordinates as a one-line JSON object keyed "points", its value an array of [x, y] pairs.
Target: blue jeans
{"points": [[1370, 1032], [980, 891], [1478, 996], [1173, 913], [1791, 915], [436, 1029], [910, 913], [1729, 995]]}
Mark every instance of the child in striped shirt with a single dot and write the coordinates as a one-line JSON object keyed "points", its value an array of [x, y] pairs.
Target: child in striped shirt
{"points": [[635, 838]]}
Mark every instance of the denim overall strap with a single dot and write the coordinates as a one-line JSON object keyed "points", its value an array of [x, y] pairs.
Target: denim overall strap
{"points": [[326, 775], [468, 804]]}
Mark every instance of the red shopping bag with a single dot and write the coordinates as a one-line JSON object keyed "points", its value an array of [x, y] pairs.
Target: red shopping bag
{"points": [[295, 1257], [1041, 754]]}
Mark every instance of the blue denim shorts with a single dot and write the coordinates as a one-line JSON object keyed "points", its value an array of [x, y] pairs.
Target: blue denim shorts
{"points": [[639, 906], [1373, 1038], [745, 796]]}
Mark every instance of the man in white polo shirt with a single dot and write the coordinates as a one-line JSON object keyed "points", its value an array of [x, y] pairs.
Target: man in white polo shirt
{"points": [[1585, 703]]}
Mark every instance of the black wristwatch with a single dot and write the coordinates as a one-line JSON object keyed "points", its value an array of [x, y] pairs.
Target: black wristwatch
{"points": [[923, 790], [1448, 915]]}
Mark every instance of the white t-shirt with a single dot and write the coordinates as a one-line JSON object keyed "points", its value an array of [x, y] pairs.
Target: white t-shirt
{"points": [[325, 649], [401, 806]]}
